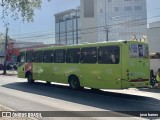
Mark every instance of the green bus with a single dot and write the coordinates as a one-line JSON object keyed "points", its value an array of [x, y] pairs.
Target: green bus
{"points": [[106, 65]]}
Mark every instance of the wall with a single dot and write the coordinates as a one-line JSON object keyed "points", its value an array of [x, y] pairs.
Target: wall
{"points": [[88, 22], [121, 18], [154, 37], [154, 44]]}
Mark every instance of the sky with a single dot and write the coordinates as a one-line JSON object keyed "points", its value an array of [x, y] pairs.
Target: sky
{"points": [[44, 22]]}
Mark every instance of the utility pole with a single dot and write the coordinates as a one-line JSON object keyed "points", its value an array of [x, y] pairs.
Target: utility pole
{"points": [[5, 52], [106, 27]]}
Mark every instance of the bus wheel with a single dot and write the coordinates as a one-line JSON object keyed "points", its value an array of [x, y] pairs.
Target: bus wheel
{"points": [[30, 78], [74, 82]]}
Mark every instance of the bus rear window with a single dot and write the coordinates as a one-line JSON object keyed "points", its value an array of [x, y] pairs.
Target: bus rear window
{"points": [[138, 51]]}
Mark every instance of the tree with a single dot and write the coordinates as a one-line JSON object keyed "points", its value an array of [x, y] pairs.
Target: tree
{"points": [[17, 9]]}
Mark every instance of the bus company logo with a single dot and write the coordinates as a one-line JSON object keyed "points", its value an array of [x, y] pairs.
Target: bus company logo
{"points": [[6, 114]]}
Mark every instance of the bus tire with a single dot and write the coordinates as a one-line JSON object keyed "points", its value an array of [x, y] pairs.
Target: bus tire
{"points": [[30, 78], [74, 82]]}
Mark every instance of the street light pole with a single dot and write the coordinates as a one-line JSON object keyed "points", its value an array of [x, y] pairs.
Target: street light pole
{"points": [[106, 27], [5, 52], [106, 34]]}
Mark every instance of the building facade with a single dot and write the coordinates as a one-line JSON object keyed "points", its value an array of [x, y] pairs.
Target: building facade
{"points": [[108, 20], [154, 44], [67, 27], [154, 37]]}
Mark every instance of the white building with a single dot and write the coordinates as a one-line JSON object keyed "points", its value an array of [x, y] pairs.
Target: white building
{"points": [[154, 37], [154, 44], [107, 20]]}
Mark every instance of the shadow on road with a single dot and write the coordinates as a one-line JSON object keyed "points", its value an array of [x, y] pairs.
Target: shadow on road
{"points": [[100, 99]]}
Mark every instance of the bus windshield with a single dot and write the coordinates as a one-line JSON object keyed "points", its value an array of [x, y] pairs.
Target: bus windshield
{"points": [[138, 51]]}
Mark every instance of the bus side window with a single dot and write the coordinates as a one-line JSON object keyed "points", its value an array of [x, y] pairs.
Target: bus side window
{"points": [[38, 56], [29, 56], [108, 55], [89, 55], [59, 56], [48, 56], [103, 55], [73, 55], [117, 58], [21, 58]]}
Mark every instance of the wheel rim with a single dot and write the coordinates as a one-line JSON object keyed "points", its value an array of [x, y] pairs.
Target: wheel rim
{"points": [[74, 83], [29, 77], [30, 80]]}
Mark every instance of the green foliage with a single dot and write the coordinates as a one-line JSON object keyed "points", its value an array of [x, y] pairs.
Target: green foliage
{"points": [[17, 9]]}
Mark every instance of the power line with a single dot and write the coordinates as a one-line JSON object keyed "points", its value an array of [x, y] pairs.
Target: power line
{"points": [[117, 23], [54, 31], [124, 24], [51, 33]]}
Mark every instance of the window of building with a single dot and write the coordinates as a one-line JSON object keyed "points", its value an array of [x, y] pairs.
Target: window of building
{"points": [[101, 11], [59, 56], [138, 7], [89, 55], [69, 29], [109, 55], [62, 36], [38, 56], [116, 9], [73, 55], [48, 56], [128, 8], [57, 33], [29, 56], [88, 8]]}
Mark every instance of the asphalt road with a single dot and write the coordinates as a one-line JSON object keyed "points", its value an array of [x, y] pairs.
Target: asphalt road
{"points": [[17, 94]]}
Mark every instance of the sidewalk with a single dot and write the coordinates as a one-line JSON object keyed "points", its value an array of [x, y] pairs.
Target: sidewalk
{"points": [[9, 72]]}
